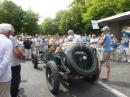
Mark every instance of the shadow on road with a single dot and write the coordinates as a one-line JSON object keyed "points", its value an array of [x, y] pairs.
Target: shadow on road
{"points": [[119, 83], [84, 89], [23, 81], [21, 92]]}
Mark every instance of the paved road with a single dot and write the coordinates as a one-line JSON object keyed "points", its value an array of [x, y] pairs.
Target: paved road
{"points": [[120, 77], [34, 83]]}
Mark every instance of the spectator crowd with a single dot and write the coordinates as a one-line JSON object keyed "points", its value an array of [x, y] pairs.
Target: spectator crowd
{"points": [[15, 48]]}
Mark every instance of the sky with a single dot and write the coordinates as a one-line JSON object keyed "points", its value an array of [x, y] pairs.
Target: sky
{"points": [[45, 8]]}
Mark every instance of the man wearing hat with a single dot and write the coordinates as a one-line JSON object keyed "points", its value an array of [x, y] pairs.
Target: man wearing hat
{"points": [[107, 49], [5, 58], [72, 40], [73, 37]]}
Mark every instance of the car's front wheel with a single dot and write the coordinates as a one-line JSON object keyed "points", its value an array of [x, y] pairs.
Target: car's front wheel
{"points": [[52, 77], [93, 78]]}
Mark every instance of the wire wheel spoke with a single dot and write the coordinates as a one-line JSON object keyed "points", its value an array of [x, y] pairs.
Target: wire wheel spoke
{"points": [[50, 78], [83, 60]]}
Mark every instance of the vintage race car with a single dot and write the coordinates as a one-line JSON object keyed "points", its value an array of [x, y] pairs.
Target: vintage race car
{"points": [[79, 61]]}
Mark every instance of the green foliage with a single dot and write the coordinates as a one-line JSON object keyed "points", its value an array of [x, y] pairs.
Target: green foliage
{"points": [[68, 19], [49, 26], [23, 21], [30, 22], [11, 13], [65, 22], [98, 9], [77, 17], [123, 5]]}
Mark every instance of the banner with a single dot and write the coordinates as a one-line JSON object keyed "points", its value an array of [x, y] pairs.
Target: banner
{"points": [[95, 24]]}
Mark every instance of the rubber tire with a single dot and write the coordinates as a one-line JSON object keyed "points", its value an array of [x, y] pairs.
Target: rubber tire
{"points": [[93, 78], [70, 61], [51, 65], [35, 60]]}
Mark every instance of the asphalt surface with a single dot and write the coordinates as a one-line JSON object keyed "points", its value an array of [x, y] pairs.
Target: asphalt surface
{"points": [[34, 84], [119, 77]]}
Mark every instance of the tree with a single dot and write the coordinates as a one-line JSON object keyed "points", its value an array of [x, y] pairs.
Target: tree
{"points": [[30, 25], [65, 22], [11, 13], [23, 21], [48, 26], [98, 9], [57, 20], [71, 19], [68, 19]]}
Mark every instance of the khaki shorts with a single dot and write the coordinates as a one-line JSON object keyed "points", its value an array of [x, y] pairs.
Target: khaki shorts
{"points": [[5, 89], [106, 56]]}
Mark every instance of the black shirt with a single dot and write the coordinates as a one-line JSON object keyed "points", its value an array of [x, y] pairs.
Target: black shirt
{"points": [[27, 44]]}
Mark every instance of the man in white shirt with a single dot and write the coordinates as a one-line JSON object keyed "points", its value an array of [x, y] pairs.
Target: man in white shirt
{"points": [[37, 42], [72, 40], [73, 37], [94, 39], [5, 58]]}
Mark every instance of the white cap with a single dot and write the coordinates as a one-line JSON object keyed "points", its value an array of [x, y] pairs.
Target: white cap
{"points": [[70, 31], [105, 28], [112, 35], [5, 28]]}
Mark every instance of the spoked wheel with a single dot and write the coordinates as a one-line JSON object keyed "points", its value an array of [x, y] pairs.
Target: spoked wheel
{"points": [[52, 76], [82, 60]]}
